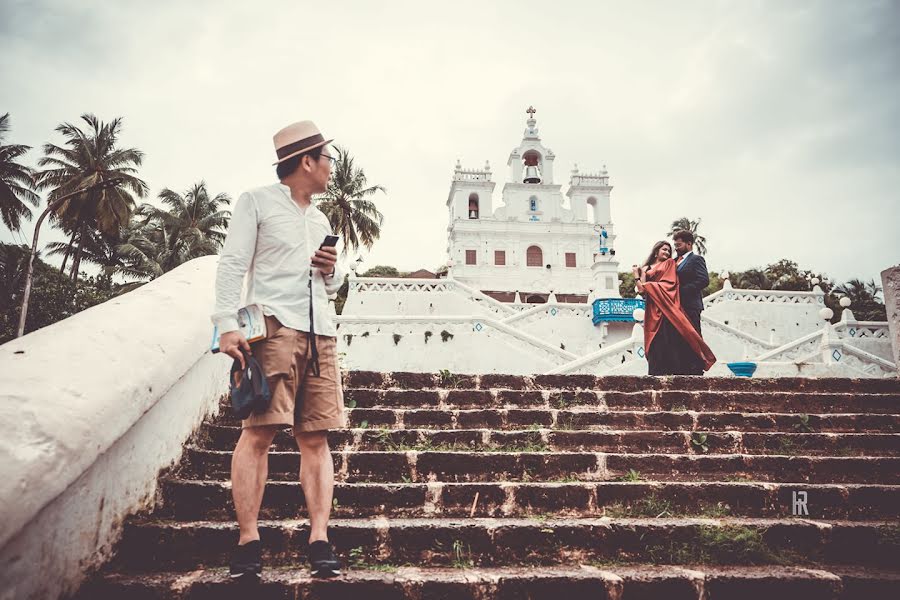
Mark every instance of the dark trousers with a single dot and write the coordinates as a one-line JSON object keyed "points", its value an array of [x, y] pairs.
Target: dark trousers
{"points": [[696, 364]]}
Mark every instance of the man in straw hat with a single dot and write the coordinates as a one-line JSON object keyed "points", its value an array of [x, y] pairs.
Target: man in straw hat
{"points": [[275, 238]]}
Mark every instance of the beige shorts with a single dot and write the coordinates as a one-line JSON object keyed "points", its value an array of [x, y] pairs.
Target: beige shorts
{"points": [[299, 399]]}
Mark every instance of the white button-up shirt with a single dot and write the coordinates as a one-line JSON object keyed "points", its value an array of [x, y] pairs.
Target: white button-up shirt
{"points": [[271, 240]]}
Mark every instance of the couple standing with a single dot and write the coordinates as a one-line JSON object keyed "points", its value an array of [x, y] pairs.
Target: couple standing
{"points": [[673, 291]]}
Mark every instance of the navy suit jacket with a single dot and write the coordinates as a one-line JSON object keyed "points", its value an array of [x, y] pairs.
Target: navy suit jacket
{"points": [[692, 279]]}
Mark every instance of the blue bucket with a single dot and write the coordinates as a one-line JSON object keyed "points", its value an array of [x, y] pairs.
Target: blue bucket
{"points": [[742, 369]]}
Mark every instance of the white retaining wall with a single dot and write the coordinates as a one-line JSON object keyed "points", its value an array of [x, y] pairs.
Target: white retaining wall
{"points": [[93, 407]]}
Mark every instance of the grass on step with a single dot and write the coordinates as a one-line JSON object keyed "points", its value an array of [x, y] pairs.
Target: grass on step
{"points": [[356, 560], [655, 507]]}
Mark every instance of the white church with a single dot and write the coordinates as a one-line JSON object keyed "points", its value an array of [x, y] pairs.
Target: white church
{"points": [[532, 287], [538, 241]]}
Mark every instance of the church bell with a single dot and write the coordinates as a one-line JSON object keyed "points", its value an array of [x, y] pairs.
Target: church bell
{"points": [[532, 175]]}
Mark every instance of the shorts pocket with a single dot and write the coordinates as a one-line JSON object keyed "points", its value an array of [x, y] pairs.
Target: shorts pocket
{"points": [[276, 352]]}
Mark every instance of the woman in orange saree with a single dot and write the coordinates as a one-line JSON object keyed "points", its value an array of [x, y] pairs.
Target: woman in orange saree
{"points": [[669, 337]]}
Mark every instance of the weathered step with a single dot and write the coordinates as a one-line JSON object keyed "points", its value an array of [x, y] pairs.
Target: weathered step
{"points": [[164, 545], [545, 440], [419, 381], [655, 400], [415, 466], [585, 417], [367, 579], [211, 500]]}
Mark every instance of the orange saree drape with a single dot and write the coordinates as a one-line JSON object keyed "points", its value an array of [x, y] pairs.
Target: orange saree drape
{"points": [[663, 301]]}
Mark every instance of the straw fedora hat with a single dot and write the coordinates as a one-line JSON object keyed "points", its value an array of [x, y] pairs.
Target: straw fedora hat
{"points": [[297, 138]]}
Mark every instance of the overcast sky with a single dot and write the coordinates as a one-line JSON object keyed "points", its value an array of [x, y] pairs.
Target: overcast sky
{"points": [[776, 123]]}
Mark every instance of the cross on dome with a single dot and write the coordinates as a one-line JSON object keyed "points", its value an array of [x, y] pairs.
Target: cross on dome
{"points": [[531, 110]]}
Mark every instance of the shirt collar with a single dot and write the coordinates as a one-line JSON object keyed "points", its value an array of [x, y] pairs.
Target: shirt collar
{"points": [[287, 196]]}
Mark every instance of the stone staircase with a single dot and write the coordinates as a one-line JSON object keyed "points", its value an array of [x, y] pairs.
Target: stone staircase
{"points": [[562, 486]]}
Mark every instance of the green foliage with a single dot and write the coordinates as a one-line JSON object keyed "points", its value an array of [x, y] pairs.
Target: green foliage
{"points": [[159, 240], [803, 425], [692, 226], [341, 298], [16, 182], [864, 296], [53, 295], [382, 271], [462, 555], [89, 157], [715, 284], [348, 204], [626, 285], [631, 475], [699, 442]]}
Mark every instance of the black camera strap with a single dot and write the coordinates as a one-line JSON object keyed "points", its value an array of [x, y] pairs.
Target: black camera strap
{"points": [[311, 334]]}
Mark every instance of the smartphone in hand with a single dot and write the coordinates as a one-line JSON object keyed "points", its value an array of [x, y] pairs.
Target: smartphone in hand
{"points": [[330, 240]]}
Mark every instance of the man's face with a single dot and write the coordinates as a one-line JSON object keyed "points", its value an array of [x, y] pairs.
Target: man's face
{"points": [[682, 247], [320, 169]]}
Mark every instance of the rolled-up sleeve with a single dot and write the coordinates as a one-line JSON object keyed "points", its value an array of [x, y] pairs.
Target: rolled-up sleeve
{"points": [[235, 259]]}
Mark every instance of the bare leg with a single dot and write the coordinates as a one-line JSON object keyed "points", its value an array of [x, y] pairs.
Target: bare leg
{"points": [[249, 471], [317, 479]]}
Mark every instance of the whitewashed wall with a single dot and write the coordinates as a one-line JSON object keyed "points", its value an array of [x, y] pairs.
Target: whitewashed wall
{"points": [[92, 408], [783, 316]]}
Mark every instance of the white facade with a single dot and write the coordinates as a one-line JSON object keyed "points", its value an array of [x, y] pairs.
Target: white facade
{"points": [[543, 323], [538, 240]]}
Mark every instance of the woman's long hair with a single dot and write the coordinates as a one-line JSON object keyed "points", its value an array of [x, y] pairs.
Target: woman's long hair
{"points": [[652, 258]]}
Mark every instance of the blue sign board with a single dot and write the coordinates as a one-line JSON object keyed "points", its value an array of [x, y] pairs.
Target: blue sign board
{"points": [[616, 309]]}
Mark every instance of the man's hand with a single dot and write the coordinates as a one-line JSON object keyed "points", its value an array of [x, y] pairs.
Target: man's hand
{"points": [[231, 343], [324, 259]]}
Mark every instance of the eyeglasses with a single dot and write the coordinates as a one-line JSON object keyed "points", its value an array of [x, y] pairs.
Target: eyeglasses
{"points": [[331, 159]]}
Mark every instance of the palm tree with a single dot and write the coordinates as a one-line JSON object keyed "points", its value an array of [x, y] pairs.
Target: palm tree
{"points": [[158, 240], [87, 159], [347, 204], [692, 226], [753, 279], [16, 182], [97, 248], [864, 300], [143, 251], [194, 225]]}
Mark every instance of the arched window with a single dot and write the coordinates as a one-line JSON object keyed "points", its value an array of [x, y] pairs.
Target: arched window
{"points": [[534, 257], [473, 205], [591, 209]]}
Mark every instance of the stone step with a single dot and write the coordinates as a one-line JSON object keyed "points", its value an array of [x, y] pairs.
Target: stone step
{"points": [[211, 500], [663, 400], [415, 466], [421, 381], [544, 440], [151, 545], [590, 418], [576, 419], [366, 578]]}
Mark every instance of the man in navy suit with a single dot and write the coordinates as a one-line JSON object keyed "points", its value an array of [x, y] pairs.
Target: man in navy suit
{"points": [[692, 279]]}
